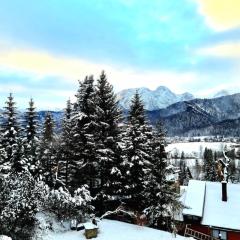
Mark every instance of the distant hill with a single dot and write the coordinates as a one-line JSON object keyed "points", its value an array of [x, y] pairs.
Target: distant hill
{"points": [[199, 115]]}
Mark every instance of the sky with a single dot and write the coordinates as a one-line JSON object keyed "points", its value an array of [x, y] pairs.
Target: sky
{"points": [[47, 46]]}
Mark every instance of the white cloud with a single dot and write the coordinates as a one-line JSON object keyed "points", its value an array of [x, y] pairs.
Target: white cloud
{"points": [[43, 64], [231, 87], [223, 50], [6, 87]]}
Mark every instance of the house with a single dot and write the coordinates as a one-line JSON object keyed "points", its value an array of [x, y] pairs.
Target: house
{"points": [[212, 209]]}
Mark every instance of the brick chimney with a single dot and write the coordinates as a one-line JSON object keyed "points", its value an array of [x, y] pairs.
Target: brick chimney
{"points": [[224, 191]]}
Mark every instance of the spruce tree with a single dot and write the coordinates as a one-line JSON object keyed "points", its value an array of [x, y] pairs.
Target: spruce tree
{"points": [[31, 141], [12, 154], [48, 151], [108, 118], [137, 153], [209, 166], [198, 169], [66, 166], [182, 173], [136, 112], [182, 155], [84, 132], [161, 198]]}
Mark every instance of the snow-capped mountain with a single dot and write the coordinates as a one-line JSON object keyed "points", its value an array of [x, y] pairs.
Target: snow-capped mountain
{"points": [[156, 99]]}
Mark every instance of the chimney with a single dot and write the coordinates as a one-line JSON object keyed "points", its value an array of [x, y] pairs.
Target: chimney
{"points": [[224, 191]]}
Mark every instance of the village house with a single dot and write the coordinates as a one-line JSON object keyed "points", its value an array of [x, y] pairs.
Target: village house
{"points": [[213, 210]]}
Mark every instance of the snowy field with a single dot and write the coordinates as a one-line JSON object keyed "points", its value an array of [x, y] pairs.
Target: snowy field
{"points": [[196, 148], [115, 230], [190, 162]]}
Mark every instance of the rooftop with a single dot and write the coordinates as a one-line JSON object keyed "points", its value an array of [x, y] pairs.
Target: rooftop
{"points": [[204, 199], [194, 199], [219, 213]]}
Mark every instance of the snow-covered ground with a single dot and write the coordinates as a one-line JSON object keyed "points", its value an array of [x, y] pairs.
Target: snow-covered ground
{"points": [[2, 237], [193, 151], [109, 230], [196, 148]]}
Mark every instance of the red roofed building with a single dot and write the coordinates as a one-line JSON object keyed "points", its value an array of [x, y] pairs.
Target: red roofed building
{"points": [[213, 209]]}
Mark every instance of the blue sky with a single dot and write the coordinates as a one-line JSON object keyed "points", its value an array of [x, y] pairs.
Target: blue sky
{"points": [[186, 45]]}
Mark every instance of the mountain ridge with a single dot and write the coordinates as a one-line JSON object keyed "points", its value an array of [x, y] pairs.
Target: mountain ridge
{"points": [[191, 116], [153, 99]]}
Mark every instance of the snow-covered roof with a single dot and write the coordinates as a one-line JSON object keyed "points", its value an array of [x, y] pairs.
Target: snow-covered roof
{"points": [[194, 199], [204, 199], [219, 213]]}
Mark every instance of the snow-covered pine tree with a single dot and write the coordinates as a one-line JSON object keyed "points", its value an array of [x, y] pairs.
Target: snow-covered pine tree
{"points": [[31, 141], [17, 186], [182, 155], [182, 173], [198, 169], [66, 167], [161, 198], [108, 118], [84, 132], [137, 153], [12, 154], [47, 156], [210, 173]]}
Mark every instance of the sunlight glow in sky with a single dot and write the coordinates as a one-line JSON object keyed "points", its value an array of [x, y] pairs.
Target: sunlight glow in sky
{"points": [[186, 45]]}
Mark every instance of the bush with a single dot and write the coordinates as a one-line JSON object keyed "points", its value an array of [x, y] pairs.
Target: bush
{"points": [[65, 206], [20, 199]]}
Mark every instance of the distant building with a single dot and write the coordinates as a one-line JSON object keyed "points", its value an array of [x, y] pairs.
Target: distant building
{"points": [[213, 210]]}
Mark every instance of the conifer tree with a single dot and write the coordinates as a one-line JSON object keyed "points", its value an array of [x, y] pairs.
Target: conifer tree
{"points": [[84, 135], [12, 154], [48, 151], [161, 199], [182, 173], [209, 166], [108, 118], [182, 155], [31, 141], [137, 152], [137, 113], [198, 169], [65, 165]]}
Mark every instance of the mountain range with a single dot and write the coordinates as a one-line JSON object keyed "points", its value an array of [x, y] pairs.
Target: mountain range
{"points": [[161, 97], [185, 115], [216, 116], [182, 114]]}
